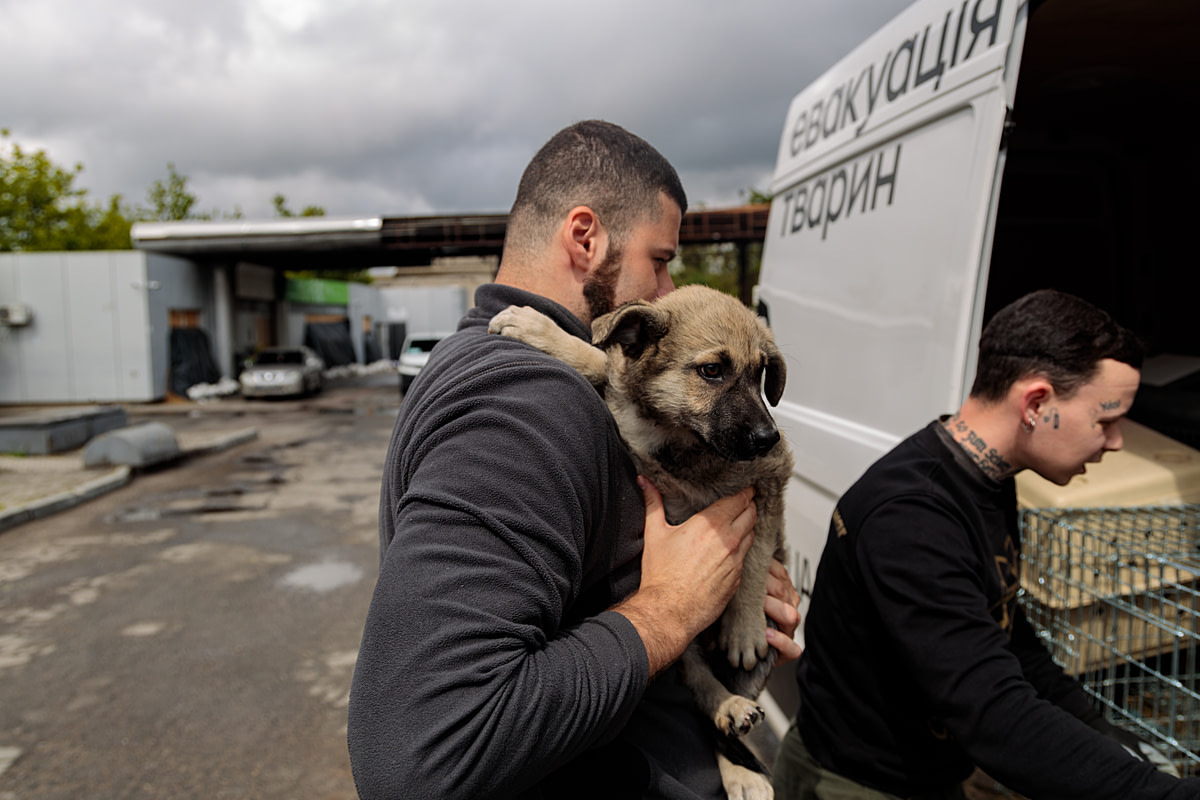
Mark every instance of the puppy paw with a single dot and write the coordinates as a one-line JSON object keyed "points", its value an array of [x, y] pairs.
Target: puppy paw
{"points": [[525, 324], [743, 641], [737, 716], [745, 784]]}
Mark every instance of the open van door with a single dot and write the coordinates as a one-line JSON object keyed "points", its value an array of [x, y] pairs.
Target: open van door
{"points": [[884, 201]]}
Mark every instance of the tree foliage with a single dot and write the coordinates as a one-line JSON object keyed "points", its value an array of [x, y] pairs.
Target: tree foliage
{"points": [[724, 266], [755, 197], [170, 199], [40, 208], [282, 210], [718, 266]]}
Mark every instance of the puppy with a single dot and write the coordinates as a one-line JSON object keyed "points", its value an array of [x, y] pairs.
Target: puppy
{"points": [[684, 377]]}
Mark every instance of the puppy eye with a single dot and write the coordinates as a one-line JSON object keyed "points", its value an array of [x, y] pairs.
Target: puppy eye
{"points": [[709, 371]]}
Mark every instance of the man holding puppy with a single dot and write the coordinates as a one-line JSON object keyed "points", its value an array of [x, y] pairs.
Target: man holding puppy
{"points": [[531, 598]]}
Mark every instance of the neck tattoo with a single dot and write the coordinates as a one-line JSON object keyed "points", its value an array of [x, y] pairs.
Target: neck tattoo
{"points": [[989, 460]]}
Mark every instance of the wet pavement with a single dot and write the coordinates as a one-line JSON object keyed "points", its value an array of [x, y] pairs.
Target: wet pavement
{"points": [[34, 486], [191, 632]]}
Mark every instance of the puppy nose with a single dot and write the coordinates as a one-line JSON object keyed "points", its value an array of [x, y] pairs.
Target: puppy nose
{"points": [[763, 438]]}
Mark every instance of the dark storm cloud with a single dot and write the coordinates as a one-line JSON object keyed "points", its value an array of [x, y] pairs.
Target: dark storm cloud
{"points": [[368, 106]]}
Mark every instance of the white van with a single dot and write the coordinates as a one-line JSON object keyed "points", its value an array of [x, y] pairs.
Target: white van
{"points": [[920, 186]]}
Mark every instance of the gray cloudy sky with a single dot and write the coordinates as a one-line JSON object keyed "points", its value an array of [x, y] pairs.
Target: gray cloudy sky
{"points": [[400, 107]]}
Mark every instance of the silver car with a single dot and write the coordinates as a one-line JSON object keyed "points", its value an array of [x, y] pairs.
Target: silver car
{"points": [[414, 354], [283, 372]]}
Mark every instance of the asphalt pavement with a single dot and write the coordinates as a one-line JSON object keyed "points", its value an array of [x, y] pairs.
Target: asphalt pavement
{"points": [[36, 486], [188, 631]]}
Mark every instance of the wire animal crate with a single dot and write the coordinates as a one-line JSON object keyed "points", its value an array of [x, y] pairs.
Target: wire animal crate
{"points": [[1115, 595]]}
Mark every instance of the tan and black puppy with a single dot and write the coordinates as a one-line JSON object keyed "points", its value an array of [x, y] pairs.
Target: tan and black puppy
{"points": [[684, 377]]}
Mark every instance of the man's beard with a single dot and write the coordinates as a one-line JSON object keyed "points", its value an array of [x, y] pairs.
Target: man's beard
{"points": [[599, 288]]}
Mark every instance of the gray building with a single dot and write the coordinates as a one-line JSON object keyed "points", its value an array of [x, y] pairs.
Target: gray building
{"points": [[193, 301], [94, 327]]}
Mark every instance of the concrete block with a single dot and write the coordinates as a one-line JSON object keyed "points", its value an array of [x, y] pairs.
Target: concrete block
{"points": [[57, 430], [135, 446]]}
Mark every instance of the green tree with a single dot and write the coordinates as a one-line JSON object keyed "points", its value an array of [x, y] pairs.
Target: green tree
{"points": [[723, 266], [170, 199], [40, 208], [719, 266], [282, 210], [755, 197]]}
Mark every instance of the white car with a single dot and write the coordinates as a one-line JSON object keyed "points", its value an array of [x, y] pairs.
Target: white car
{"points": [[283, 372], [414, 354]]}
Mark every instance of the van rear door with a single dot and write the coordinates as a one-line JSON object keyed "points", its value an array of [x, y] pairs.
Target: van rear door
{"points": [[876, 254]]}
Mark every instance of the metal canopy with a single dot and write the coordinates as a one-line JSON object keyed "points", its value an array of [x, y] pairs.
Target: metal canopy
{"points": [[354, 243]]}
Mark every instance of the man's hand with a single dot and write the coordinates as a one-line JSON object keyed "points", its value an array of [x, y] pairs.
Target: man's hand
{"points": [[689, 572], [1139, 748], [782, 606]]}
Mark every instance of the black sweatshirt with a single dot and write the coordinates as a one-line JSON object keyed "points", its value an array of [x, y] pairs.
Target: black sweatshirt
{"points": [[918, 661], [510, 519]]}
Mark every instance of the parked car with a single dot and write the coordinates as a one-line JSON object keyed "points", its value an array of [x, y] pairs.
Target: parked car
{"points": [[414, 354], [283, 372]]}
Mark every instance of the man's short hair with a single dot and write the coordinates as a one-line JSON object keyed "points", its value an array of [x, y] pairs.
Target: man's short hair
{"points": [[1052, 334], [595, 164]]}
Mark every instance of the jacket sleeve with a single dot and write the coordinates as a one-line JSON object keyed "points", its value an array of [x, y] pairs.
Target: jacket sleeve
{"points": [[925, 583], [1046, 676], [471, 681]]}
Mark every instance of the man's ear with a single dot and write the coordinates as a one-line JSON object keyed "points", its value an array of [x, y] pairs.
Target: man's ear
{"points": [[585, 238], [1033, 395]]}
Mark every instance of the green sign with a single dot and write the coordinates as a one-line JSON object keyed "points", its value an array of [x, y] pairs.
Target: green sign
{"points": [[318, 291]]}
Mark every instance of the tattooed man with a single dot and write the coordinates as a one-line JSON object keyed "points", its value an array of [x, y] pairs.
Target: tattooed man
{"points": [[919, 665]]}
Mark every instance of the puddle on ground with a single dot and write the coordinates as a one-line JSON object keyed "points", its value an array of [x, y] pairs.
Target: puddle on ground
{"points": [[143, 629], [323, 577], [243, 496]]}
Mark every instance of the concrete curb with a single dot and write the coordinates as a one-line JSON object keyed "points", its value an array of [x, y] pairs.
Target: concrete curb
{"points": [[45, 506], [114, 479]]}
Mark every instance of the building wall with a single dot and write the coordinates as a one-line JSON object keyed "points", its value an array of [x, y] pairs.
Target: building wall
{"points": [[428, 309], [255, 306], [175, 284], [99, 329], [366, 312]]}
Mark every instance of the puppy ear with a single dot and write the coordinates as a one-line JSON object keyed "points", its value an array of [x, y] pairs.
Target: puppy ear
{"points": [[633, 326], [776, 375]]}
